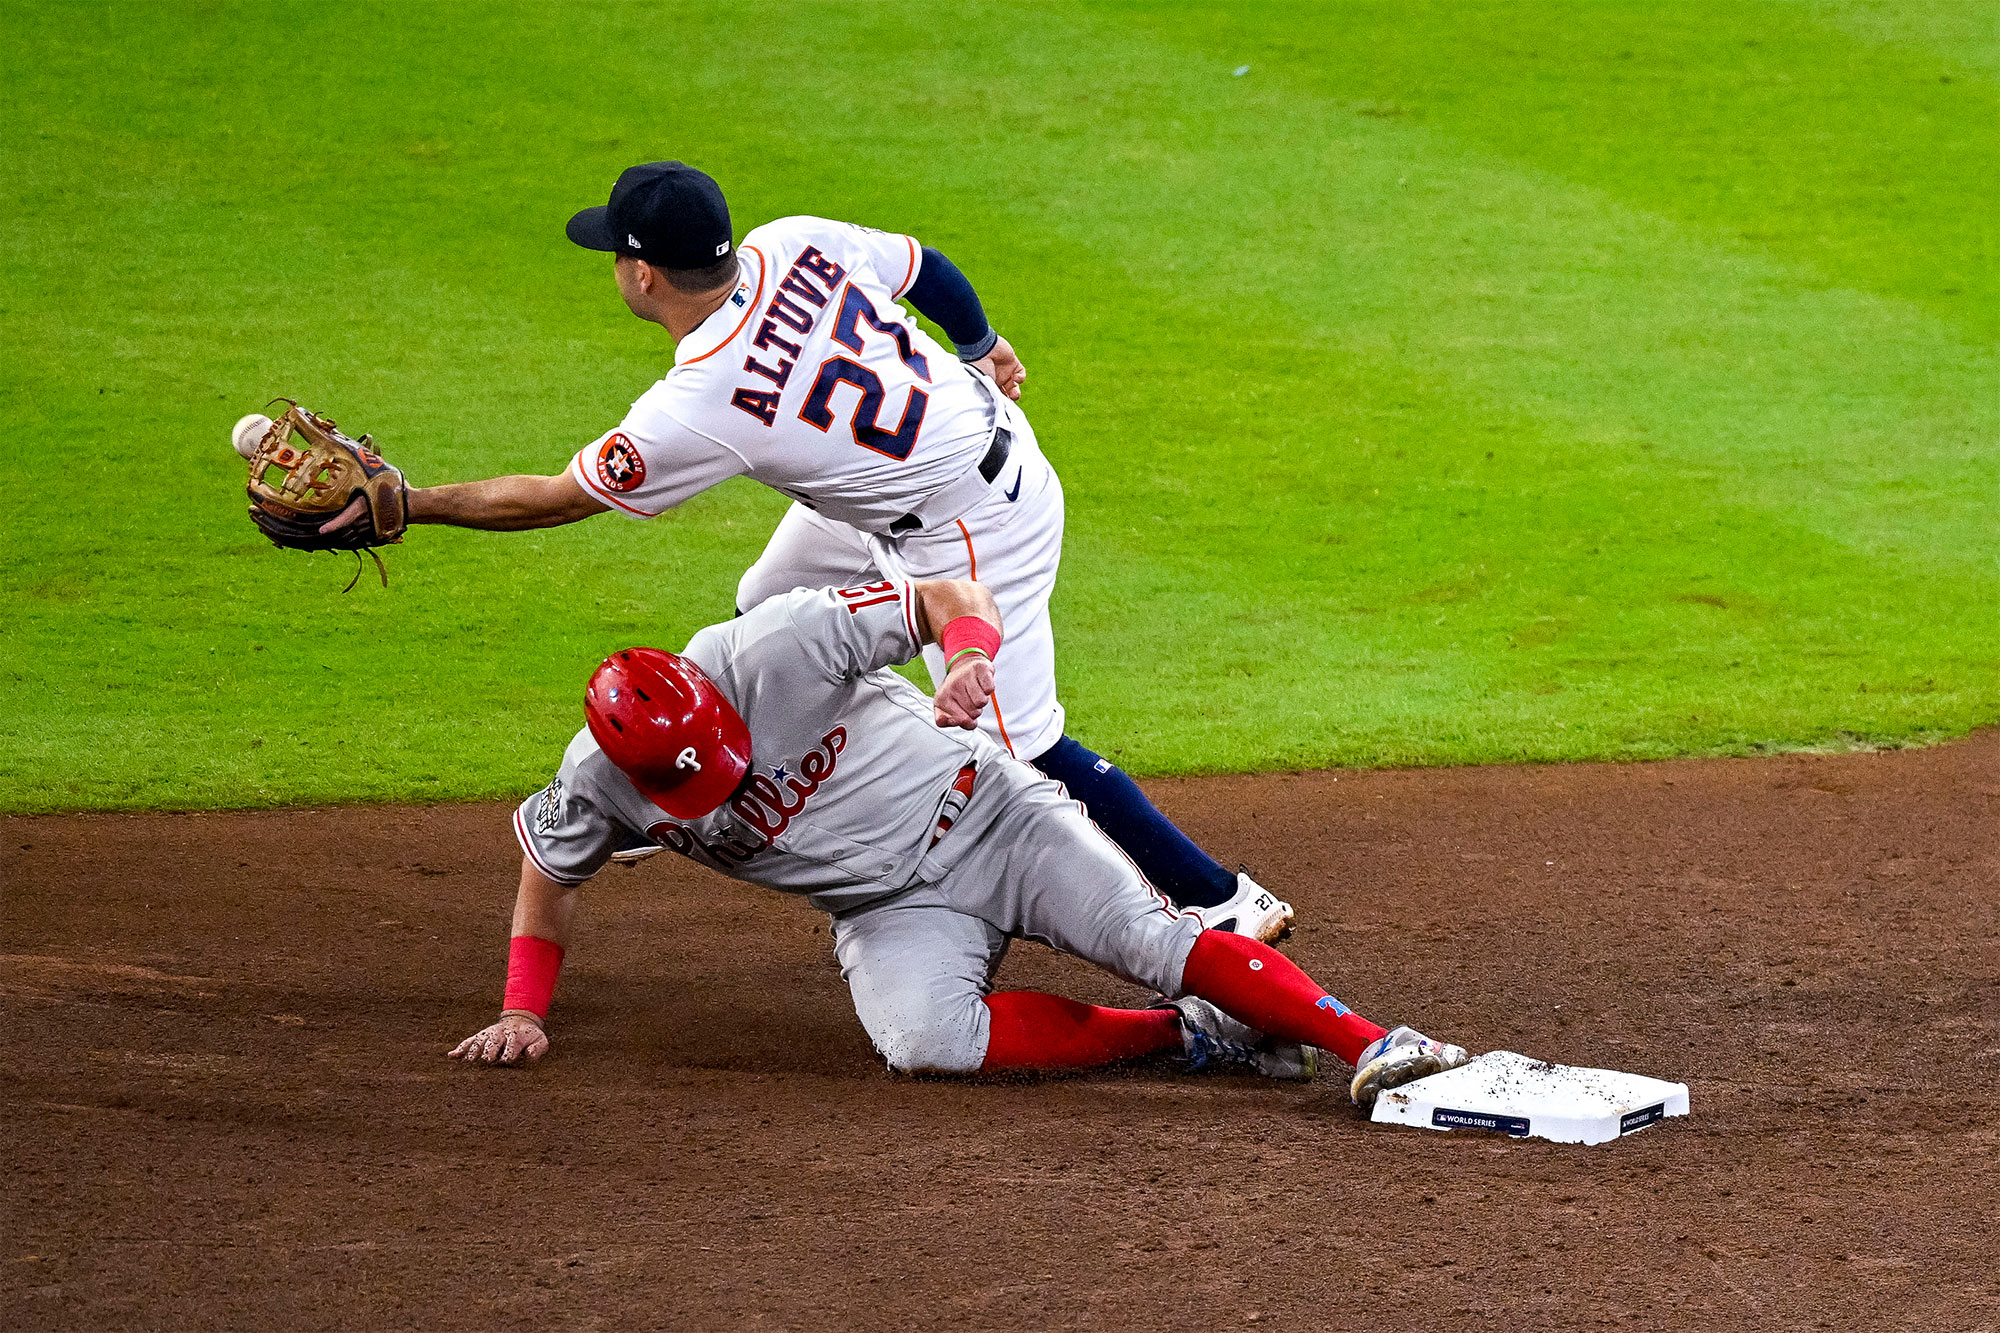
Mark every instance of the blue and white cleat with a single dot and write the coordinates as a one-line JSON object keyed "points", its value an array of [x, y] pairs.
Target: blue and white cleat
{"points": [[1214, 1041], [1402, 1055]]}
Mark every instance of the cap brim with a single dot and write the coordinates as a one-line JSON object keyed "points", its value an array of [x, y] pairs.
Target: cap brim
{"points": [[592, 230]]}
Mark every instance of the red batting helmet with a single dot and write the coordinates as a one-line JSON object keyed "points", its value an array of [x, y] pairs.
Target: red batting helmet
{"points": [[662, 721]]}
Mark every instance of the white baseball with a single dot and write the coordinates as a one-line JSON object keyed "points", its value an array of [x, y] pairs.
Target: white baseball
{"points": [[248, 433]]}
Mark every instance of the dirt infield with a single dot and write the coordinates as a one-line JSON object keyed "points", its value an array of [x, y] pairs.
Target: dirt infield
{"points": [[226, 1103]]}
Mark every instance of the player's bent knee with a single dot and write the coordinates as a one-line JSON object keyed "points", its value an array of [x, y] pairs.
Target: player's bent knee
{"points": [[954, 1045]]}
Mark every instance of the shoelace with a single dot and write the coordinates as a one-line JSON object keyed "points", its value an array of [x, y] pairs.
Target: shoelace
{"points": [[1207, 1048]]}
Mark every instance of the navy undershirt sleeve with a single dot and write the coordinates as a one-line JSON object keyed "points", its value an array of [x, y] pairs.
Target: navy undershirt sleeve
{"points": [[944, 296]]}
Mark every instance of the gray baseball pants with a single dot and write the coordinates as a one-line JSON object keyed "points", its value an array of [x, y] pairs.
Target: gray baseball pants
{"points": [[919, 964]]}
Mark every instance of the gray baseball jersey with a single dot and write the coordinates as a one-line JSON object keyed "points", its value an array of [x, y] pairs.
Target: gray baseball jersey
{"points": [[849, 769], [850, 778]]}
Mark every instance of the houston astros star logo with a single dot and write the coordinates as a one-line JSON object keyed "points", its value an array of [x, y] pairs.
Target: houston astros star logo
{"points": [[619, 466]]}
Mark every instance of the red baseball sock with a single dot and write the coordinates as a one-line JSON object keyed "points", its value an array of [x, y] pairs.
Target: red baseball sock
{"points": [[1034, 1030], [1255, 984]]}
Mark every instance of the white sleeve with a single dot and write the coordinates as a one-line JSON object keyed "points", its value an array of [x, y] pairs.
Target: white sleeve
{"points": [[894, 257], [848, 632], [652, 462], [891, 259]]}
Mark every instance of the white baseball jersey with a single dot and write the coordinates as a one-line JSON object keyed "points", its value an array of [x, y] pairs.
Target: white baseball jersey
{"points": [[850, 772], [809, 378]]}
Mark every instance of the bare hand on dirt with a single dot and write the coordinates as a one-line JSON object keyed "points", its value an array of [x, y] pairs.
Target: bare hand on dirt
{"points": [[515, 1039]]}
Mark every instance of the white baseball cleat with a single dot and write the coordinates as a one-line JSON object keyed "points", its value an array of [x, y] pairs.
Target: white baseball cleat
{"points": [[1402, 1055], [1252, 910], [1213, 1040]]}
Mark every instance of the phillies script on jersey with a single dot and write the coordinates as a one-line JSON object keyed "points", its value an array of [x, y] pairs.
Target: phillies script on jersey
{"points": [[764, 805]]}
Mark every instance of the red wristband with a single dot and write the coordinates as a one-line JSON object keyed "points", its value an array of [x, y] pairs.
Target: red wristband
{"points": [[532, 964], [968, 632]]}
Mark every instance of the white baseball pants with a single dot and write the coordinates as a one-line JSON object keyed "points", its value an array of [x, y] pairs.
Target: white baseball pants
{"points": [[1011, 541]]}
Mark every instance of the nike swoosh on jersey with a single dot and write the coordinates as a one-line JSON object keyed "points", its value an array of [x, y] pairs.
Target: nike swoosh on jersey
{"points": [[1016, 492]]}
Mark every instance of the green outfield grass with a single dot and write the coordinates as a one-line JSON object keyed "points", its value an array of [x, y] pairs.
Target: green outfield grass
{"points": [[1464, 382]]}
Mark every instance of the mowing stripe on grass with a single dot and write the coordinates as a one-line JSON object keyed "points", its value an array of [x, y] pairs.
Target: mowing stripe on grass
{"points": [[1449, 387]]}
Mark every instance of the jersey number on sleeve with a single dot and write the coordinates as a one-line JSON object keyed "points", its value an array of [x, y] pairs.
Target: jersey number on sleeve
{"points": [[853, 596], [838, 370]]}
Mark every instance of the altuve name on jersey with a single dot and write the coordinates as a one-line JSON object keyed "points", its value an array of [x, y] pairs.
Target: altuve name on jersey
{"points": [[798, 304]]}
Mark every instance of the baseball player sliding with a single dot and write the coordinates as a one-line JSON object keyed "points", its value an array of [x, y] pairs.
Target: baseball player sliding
{"points": [[794, 365], [779, 749]]}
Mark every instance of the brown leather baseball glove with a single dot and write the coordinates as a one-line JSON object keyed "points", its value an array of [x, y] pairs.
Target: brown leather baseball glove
{"points": [[305, 473]]}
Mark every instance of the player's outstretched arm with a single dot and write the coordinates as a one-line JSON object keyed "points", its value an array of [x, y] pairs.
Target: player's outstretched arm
{"points": [[962, 618], [505, 504], [499, 504], [543, 912]]}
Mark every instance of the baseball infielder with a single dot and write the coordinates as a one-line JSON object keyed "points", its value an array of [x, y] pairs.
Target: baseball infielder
{"points": [[780, 750], [794, 365]]}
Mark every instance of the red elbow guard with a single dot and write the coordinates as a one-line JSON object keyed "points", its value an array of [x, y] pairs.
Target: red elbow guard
{"points": [[532, 964], [968, 634]]}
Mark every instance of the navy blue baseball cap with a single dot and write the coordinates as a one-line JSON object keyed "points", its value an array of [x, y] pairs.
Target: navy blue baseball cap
{"points": [[666, 213]]}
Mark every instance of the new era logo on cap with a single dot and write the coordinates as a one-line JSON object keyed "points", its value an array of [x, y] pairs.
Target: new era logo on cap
{"points": [[632, 240]]}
